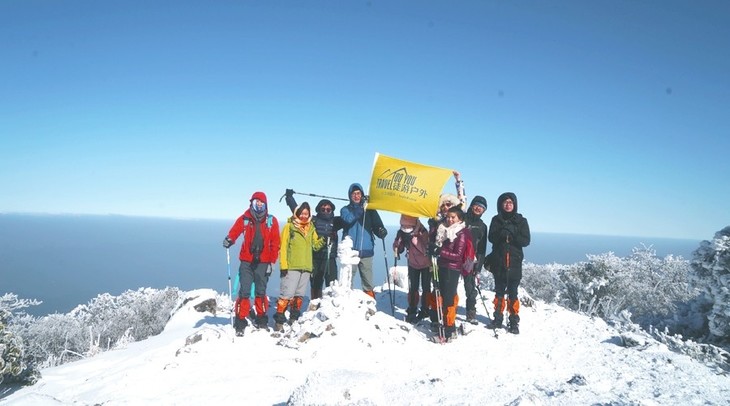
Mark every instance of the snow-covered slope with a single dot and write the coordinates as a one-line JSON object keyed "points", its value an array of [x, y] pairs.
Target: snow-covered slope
{"points": [[347, 350]]}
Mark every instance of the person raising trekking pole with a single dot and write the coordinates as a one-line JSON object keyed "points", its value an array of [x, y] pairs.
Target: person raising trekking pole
{"points": [[324, 265]]}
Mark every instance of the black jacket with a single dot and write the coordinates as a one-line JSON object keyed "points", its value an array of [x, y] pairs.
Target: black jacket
{"points": [[508, 233]]}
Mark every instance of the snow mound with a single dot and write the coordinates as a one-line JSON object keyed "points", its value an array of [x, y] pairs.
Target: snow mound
{"points": [[351, 315]]}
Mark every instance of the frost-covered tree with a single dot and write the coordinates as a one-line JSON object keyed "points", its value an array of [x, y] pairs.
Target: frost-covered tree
{"points": [[649, 288], [105, 323], [711, 266], [12, 350]]}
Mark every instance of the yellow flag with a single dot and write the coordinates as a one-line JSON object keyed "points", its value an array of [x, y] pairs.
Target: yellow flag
{"points": [[406, 187]]}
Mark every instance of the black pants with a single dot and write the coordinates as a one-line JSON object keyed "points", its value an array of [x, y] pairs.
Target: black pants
{"points": [[470, 287], [324, 270], [507, 281], [418, 279]]}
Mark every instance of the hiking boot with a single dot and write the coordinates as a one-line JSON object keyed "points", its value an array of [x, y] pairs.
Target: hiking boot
{"points": [[278, 327], [471, 316], [514, 324], [450, 332], [240, 326], [411, 315], [262, 322], [435, 326], [294, 316], [495, 323]]}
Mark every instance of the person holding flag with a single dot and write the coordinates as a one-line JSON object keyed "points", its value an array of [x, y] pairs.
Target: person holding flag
{"points": [[362, 226], [413, 239]]}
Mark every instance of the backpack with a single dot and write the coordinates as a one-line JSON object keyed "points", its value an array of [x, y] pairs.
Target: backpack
{"points": [[469, 258], [236, 282]]}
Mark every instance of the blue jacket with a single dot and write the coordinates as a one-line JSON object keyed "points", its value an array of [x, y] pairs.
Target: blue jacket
{"points": [[359, 224]]}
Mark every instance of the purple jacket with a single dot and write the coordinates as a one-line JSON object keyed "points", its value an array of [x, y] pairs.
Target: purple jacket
{"points": [[452, 252]]}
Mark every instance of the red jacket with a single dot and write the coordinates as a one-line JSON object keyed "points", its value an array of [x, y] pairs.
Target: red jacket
{"points": [[272, 240]]}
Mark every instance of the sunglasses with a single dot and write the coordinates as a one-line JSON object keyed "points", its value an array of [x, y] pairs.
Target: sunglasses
{"points": [[325, 209]]}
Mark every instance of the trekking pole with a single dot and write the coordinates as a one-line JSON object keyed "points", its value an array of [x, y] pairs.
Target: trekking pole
{"points": [[476, 283], [313, 195], [230, 292], [396, 256], [439, 300], [387, 273], [327, 264]]}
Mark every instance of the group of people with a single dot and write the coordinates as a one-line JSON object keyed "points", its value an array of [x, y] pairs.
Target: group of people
{"points": [[306, 249]]}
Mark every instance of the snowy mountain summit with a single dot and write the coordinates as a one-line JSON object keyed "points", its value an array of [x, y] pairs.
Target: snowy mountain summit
{"points": [[348, 350]]}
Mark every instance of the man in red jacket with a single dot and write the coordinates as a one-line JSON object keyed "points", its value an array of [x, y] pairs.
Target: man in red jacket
{"points": [[259, 251]]}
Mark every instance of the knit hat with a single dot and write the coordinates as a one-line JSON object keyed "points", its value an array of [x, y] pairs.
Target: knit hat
{"points": [[479, 201]]}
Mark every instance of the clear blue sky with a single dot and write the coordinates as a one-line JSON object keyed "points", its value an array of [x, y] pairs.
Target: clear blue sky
{"points": [[604, 117]]}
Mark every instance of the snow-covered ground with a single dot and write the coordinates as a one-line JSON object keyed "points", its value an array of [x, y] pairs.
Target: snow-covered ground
{"points": [[348, 350]]}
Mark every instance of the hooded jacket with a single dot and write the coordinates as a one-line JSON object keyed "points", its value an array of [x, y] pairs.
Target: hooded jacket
{"points": [[297, 245], [478, 230], [247, 224], [359, 224], [508, 233], [326, 224]]}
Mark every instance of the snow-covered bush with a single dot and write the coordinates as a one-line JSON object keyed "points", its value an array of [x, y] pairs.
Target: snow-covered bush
{"points": [[711, 276], [650, 289], [105, 323]]}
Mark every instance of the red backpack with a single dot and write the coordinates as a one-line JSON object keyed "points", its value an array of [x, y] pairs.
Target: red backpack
{"points": [[469, 258]]}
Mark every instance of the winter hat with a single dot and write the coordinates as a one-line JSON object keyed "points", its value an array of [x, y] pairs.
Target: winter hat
{"points": [[352, 188], [324, 202], [258, 196], [479, 201], [408, 223], [448, 197], [504, 196]]}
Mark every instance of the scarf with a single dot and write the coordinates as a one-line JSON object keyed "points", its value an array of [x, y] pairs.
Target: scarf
{"points": [[444, 233]]}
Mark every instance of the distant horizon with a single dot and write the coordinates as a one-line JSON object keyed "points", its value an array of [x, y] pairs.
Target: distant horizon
{"points": [[386, 223], [65, 260]]}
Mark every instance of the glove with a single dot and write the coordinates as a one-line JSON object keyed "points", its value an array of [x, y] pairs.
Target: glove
{"points": [[283, 273], [227, 242], [433, 249], [381, 232], [509, 227], [358, 211], [256, 258], [289, 192]]}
